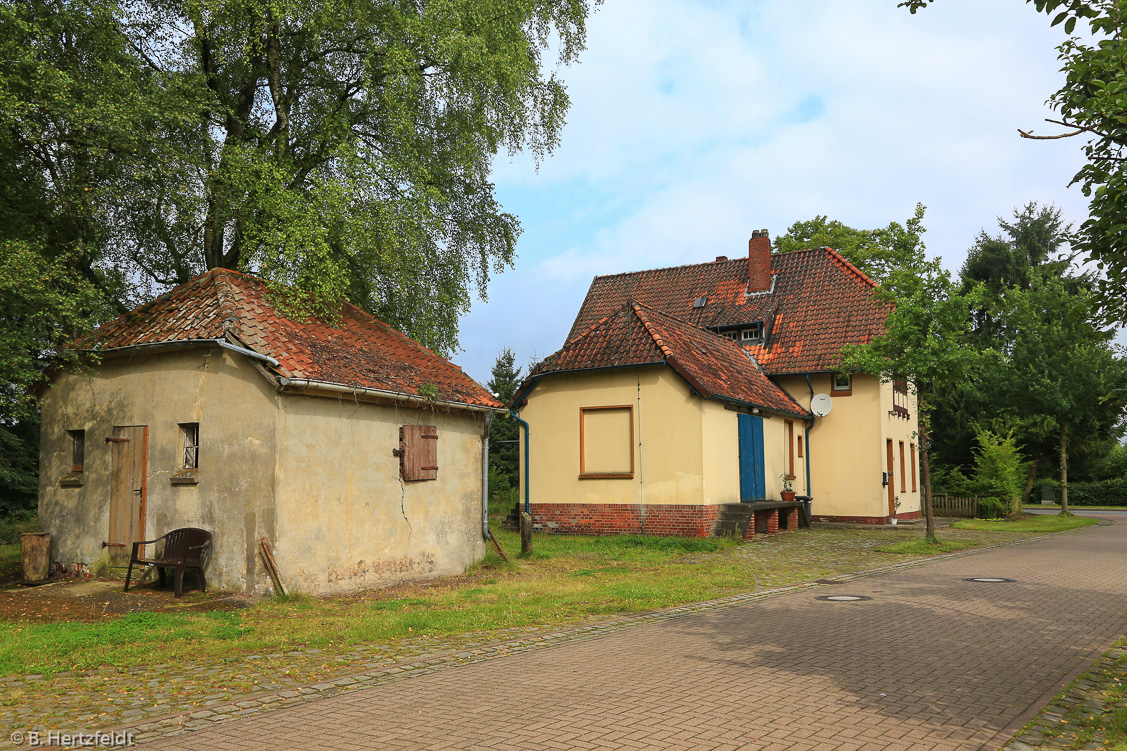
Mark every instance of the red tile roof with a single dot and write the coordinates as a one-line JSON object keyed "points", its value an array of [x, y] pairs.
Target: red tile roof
{"points": [[819, 303], [361, 351], [637, 334]]}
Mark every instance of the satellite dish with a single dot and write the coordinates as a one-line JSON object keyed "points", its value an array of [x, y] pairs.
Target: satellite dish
{"points": [[821, 404]]}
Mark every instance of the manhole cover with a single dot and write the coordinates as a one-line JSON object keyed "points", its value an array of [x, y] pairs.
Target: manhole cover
{"points": [[843, 598], [988, 579]]}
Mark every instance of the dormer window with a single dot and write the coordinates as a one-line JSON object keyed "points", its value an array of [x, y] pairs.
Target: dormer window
{"points": [[752, 335], [733, 335]]}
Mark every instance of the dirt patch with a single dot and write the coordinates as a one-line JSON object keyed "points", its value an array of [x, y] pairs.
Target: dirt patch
{"points": [[98, 599]]}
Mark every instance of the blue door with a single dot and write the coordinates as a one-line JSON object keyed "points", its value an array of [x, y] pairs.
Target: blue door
{"points": [[752, 486]]}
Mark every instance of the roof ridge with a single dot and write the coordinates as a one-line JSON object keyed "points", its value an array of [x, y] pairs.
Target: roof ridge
{"points": [[734, 259], [659, 340], [228, 305], [596, 324], [670, 268], [848, 266]]}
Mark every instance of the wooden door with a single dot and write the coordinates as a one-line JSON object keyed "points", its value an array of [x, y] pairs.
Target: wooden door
{"points": [[891, 488], [752, 485], [129, 459]]}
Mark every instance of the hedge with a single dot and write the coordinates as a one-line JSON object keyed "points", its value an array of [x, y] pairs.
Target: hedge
{"points": [[1111, 492]]}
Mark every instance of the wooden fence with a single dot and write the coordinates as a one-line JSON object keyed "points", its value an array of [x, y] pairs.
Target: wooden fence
{"points": [[954, 505]]}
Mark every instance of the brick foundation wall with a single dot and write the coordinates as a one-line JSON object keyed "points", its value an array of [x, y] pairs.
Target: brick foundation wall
{"points": [[905, 516], [624, 518]]}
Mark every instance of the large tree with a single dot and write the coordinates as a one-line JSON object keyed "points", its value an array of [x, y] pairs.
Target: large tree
{"points": [[1034, 243], [925, 344], [1037, 237], [344, 149], [1061, 374], [1092, 105], [877, 252]]}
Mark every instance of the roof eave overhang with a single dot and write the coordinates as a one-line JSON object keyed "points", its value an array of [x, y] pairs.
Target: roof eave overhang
{"points": [[762, 408], [527, 387], [327, 388]]}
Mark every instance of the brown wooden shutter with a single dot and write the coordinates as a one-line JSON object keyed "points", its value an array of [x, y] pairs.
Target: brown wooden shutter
{"points": [[418, 452]]}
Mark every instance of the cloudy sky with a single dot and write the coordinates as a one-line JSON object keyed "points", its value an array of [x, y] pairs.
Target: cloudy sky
{"points": [[694, 122]]}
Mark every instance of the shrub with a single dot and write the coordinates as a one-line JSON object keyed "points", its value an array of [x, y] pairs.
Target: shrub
{"points": [[997, 465], [950, 481], [991, 507]]}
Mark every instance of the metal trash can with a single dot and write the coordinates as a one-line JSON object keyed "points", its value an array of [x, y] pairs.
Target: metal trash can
{"points": [[35, 555]]}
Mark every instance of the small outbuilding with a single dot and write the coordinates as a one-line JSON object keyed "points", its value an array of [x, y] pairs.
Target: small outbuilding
{"points": [[354, 451]]}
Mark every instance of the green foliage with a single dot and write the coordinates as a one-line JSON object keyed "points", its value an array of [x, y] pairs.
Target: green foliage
{"points": [[504, 452], [669, 545], [876, 252], [925, 343], [1030, 523], [42, 307], [1060, 369], [998, 466], [992, 507], [923, 547], [1033, 239], [947, 480], [1111, 463], [15, 523], [926, 333], [1112, 492], [341, 149], [19, 466]]}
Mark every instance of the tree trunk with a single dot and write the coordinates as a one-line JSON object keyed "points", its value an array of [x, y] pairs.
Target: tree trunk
{"points": [[925, 472], [1063, 469], [1031, 480]]}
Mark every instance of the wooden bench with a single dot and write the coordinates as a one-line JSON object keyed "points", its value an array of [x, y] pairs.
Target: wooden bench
{"points": [[183, 549]]}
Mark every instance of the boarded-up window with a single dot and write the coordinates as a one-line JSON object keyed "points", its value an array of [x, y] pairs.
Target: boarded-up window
{"points": [[790, 449], [913, 455], [77, 450], [903, 479], [190, 438], [418, 452], [606, 442]]}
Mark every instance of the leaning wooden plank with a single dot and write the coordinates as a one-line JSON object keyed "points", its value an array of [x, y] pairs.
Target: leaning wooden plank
{"points": [[497, 546], [272, 566]]}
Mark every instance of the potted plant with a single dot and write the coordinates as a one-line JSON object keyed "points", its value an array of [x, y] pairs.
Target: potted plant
{"points": [[896, 506], [788, 488]]}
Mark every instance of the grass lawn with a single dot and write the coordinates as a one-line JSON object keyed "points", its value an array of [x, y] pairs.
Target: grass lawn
{"points": [[1031, 523], [566, 580], [1072, 507]]}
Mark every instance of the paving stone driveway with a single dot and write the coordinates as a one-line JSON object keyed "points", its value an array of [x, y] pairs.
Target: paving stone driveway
{"points": [[930, 662]]}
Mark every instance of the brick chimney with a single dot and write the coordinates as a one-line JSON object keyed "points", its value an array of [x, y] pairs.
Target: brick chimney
{"points": [[759, 261]]}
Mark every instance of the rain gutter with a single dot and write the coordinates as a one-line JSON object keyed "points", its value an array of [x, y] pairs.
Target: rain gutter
{"points": [[485, 479], [340, 388], [527, 505], [811, 387], [185, 343]]}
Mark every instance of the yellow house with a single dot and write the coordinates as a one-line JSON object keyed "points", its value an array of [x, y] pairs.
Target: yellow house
{"points": [[682, 392], [355, 452]]}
